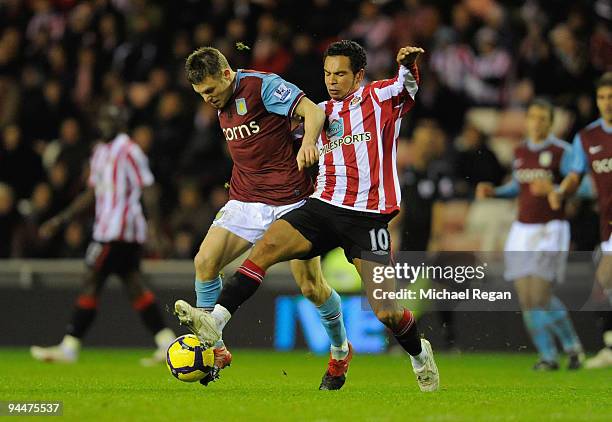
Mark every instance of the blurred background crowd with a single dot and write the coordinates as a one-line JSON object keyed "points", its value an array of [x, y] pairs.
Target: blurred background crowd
{"points": [[60, 60]]}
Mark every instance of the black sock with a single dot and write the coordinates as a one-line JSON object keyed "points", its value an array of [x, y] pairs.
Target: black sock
{"points": [[241, 286], [407, 334], [149, 312], [152, 318], [83, 316]]}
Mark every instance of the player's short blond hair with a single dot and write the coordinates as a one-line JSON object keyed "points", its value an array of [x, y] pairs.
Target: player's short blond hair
{"points": [[205, 62], [605, 80], [544, 104]]}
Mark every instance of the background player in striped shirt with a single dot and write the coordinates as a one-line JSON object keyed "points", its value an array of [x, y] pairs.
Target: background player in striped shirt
{"points": [[357, 194], [592, 151], [255, 111], [119, 171], [536, 248]]}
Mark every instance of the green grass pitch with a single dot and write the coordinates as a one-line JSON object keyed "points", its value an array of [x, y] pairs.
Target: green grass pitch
{"points": [[108, 384]]}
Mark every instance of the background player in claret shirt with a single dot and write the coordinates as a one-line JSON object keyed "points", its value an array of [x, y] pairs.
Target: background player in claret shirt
{"points": [[119, 171], [536, 249], [592, 151], [255, 111], [357, 194]]}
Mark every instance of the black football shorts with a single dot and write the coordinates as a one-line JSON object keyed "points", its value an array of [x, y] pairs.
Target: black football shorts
{"points": [[361, 235], [108, 258]]}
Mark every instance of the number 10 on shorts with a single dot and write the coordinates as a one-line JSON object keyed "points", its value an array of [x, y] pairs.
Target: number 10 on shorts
{"points": [[379, 239]]}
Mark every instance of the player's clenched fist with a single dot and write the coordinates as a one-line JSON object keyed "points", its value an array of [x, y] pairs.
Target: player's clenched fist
{"points": [[307, 156], [408, 55], [555, 198], [484, 190]]}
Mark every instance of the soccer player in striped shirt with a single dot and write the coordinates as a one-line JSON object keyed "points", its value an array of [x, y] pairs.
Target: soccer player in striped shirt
{"points": [[356, 195], [119, 171], [255, 111]]}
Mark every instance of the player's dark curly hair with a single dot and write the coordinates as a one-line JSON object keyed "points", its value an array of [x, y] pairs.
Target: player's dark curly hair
{"points": [[204, 62], [350, 49]]}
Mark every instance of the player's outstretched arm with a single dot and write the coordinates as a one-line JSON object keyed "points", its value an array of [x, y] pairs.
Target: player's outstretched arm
{"points": [[80, 204], [405, 84], [487, 190], [314, 118]]}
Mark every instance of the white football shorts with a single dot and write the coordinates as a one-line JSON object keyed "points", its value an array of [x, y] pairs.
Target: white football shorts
{"points": [[250, 220], [537, 250]]}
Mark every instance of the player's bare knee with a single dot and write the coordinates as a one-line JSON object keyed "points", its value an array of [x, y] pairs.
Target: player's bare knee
{"points": [[541, 302], [605, 280], [266, 252], [388, 317], [316, 293], [604, 272], [206, 266], [524, 301], [309, 291]]}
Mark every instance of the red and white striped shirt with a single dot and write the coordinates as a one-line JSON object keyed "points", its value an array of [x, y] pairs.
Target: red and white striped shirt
{"points": [[358, 146], [119, 170]]}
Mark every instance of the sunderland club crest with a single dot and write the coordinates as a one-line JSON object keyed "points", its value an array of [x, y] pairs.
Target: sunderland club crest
{"points": [[355, 101]]}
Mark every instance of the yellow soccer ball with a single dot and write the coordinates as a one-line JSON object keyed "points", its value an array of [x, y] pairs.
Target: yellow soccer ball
{"points": [[188, 360]]}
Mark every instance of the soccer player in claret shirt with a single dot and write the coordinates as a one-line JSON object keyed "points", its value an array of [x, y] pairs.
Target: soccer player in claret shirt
{"points": [[536, 249], [356, 195], [255, 110], [119, 172], [592, 151]]}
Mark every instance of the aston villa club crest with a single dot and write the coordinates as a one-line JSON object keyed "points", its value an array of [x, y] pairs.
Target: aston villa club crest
{"points": [[241, 107], [545, 158]]}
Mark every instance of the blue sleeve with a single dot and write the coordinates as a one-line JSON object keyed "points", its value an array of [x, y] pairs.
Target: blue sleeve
{"points": [[279, 96], [578, 161], [585, 190], [566, 162], [509, 190]]}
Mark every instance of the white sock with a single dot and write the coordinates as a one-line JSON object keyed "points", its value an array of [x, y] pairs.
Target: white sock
{"points": [[221, 316], [419, 360], [340, 352], [607, 337], [164, 337]]}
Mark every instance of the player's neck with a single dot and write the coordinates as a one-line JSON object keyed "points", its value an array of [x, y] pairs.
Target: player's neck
{"points": [[351, 92], [231, 88], [538, 140]]}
